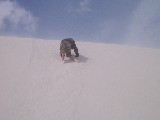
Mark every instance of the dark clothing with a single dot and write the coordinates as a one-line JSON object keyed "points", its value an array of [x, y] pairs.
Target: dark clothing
{"points": [[72, 45], [65, 47]]}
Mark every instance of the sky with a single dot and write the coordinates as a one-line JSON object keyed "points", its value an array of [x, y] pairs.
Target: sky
{"points": [[131, 22]]}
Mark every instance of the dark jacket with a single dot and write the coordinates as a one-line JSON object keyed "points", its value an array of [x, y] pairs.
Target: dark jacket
{"points": [[73, 45]]}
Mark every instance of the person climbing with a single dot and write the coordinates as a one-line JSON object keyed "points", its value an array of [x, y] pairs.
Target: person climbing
{"points": [[65, 48]]}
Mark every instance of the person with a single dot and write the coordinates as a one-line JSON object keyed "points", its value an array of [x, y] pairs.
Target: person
{"points": [[65, 48]]}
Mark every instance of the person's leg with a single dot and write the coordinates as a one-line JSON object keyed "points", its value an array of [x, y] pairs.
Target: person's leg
{"points": [[75, 50], [62, 55]]}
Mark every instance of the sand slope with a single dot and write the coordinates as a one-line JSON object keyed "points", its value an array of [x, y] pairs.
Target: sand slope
{"points": [[110, 82]]}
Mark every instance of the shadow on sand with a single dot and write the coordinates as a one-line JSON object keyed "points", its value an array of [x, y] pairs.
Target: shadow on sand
{"points": [[80, 59]]}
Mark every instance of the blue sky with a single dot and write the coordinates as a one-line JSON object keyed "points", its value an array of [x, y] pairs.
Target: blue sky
{"points": [[133, 22]]}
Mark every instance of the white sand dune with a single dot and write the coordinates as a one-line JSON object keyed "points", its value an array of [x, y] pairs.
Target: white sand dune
{"points": [[109, 82]]}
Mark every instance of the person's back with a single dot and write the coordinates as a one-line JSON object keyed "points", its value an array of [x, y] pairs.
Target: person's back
{"points": [[70, 40]]}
